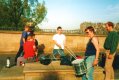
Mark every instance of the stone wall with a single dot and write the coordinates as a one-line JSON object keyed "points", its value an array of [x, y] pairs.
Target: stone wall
{"points": [[9, 41]]}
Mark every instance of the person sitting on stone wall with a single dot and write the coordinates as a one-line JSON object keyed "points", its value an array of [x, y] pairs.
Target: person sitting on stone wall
{"points": [[29, 51]]}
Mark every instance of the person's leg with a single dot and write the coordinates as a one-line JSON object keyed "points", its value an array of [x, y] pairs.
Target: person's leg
{"points": [[112, 73], [84, 77], [108, 67], [61, 52], [54, 53], [19, 59], [112, 70], [19, 53], [90, 68]]}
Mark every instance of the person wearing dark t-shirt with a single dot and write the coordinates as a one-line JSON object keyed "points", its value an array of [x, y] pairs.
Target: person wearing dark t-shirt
{"points": [[22, 41], [91, 53]]}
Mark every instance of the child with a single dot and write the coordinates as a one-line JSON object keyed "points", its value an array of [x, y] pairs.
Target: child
{"points": [[29, 50], [36, 45]]}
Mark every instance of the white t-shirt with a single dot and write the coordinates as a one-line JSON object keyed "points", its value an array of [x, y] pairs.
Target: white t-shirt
{"points": [[60, 39]]}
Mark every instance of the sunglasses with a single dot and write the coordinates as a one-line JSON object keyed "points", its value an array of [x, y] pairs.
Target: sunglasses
{"points": [[87, 32]]}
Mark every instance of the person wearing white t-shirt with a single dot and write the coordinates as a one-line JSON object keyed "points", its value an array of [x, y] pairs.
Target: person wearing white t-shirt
{"points": [[59, 41]]}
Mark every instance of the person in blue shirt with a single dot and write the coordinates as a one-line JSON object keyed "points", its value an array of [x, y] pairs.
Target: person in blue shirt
{"points": [[22, 41]]}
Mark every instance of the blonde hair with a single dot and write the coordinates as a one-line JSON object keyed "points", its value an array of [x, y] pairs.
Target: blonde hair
{"points": [[29, 24]]}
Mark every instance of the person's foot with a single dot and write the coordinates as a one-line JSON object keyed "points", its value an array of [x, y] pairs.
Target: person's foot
{"points": [[23, 65], [104, 72]]}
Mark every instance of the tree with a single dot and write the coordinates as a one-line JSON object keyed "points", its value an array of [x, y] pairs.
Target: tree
{"points": [[40, 13], [84, 25], [99, 27], [37, 13], [117, 27], [4, 15], [17, 12]]}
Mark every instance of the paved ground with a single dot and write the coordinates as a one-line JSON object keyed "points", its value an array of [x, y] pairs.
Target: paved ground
{"points": [[15, 70], [3, 59]]}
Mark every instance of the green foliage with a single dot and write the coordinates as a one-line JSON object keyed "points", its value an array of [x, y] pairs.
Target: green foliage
{"points": [[99, 27], [40, 13], [117, 27], [15, 10], [4, 14], [15, 13]]}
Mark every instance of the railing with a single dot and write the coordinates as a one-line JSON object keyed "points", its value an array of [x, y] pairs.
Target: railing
{"points": [[44, 30], [64, 31]]}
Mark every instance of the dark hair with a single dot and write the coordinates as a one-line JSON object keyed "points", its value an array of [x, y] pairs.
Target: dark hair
{"points": [[59, 27], [110, 24], [90, 28], [31, 35]]}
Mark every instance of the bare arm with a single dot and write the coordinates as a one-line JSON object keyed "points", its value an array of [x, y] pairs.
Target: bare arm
{"points": [[96, 45], [57, 44], [24, 40], [34, 47]]}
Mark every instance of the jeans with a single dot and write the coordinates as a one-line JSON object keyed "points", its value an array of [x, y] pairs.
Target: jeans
{"points": [[19, 53], [90, 68], [22, 59], [58, 51]]}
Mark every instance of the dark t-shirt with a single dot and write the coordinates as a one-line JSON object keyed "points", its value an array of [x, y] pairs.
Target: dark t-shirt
{"points": [[90, 49], [24, 35], [36, 43]]}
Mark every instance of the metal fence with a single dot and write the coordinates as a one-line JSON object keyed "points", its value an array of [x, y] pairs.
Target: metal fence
{"points": [[43, 30], [64, 31]]}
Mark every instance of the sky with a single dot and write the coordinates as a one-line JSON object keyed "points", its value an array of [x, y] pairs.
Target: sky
{"points": [[69, 14]]}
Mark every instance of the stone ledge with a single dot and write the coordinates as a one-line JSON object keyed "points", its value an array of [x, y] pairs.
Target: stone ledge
{"points": [[37, 71]]}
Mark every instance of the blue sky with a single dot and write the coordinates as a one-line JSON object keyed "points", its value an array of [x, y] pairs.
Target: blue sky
{"points": [[70, 13]]}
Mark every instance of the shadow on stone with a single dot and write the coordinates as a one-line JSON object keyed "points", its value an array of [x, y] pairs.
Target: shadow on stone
{"points": [[50, 76]]}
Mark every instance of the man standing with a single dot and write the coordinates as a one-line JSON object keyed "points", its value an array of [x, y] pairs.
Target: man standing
{"points": [[22, 41], [59, 41], [110, 45]]}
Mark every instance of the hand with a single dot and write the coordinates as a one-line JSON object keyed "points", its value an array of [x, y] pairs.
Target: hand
{"points": [[110, 56], [83, 57], [65, 46], [95, 62], [59, 46], [36, 54]]}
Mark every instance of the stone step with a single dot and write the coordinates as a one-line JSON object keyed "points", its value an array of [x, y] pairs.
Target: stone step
{"points": [[13, 73], [55, 71]]}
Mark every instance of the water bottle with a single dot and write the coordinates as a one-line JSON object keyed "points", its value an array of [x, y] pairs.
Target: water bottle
{"points": [[8, 62]]}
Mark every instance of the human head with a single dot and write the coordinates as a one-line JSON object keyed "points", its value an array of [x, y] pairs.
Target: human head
{"points": [[31, 26], [109, 26], [90, 31], [59, 30], [30, 36], [26, 28], [33, 36]]}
